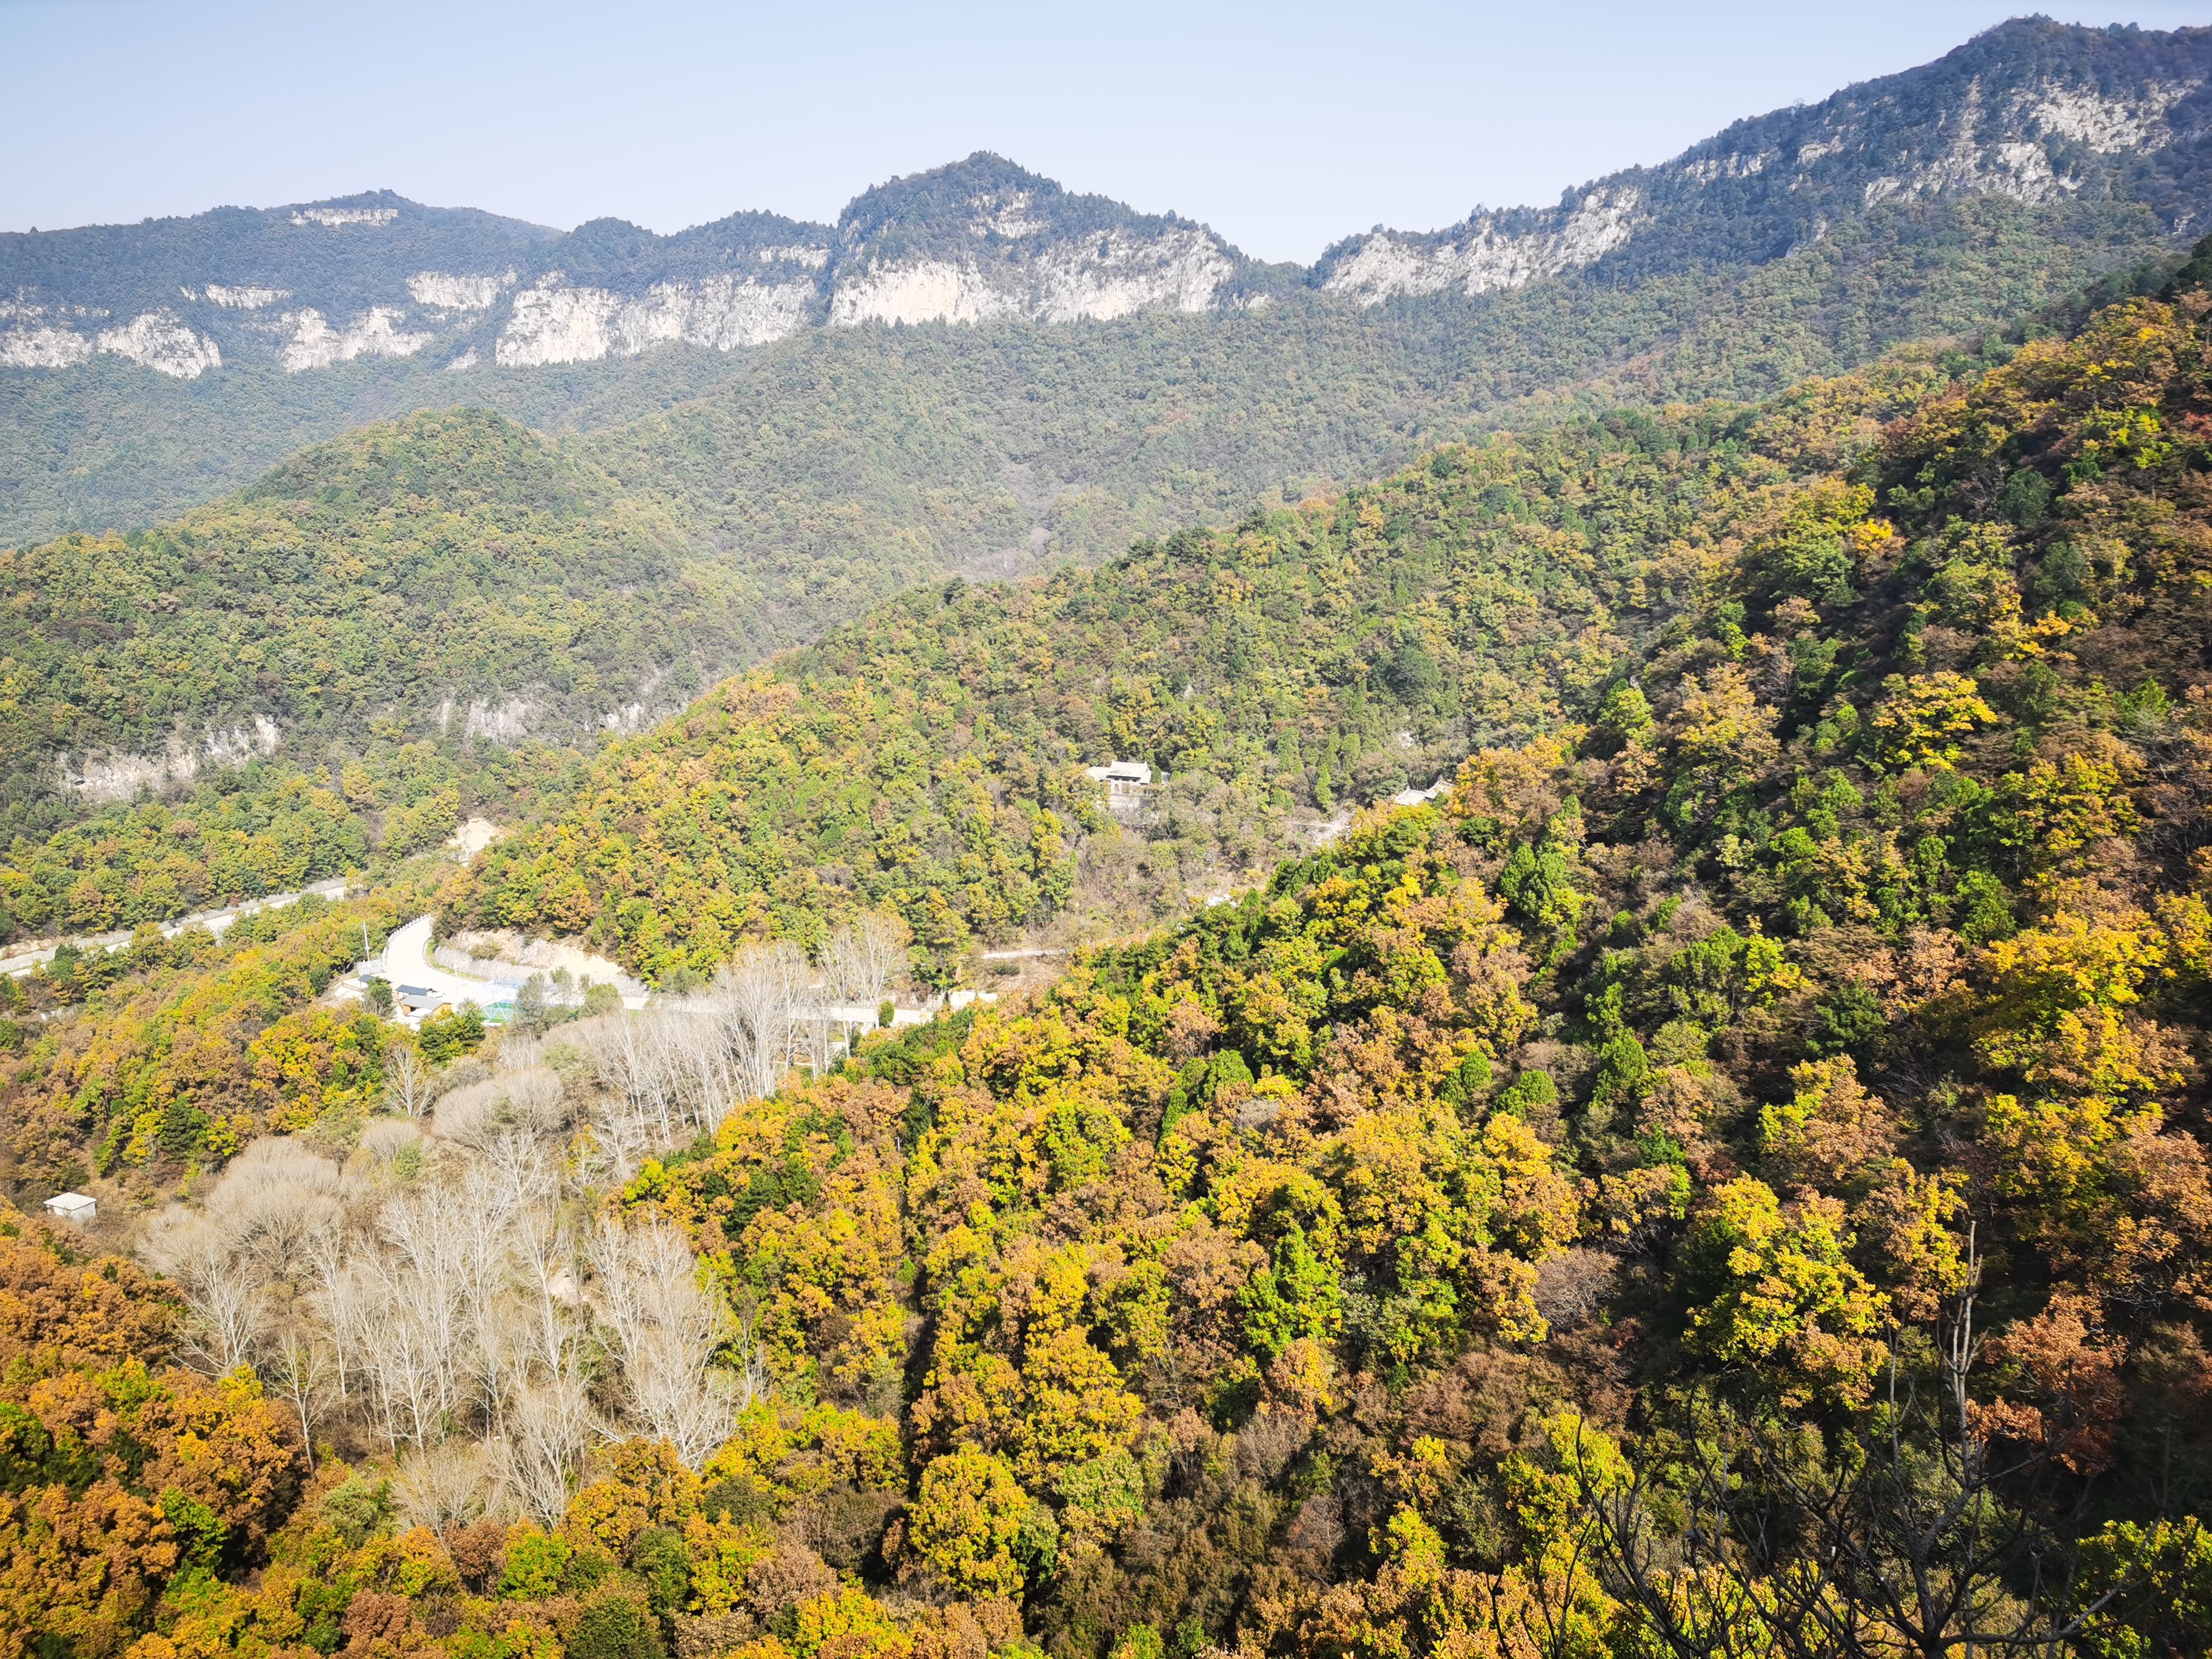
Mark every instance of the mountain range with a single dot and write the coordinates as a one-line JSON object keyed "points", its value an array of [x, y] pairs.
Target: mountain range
{"points": [[2033, 112], [147, 368]]}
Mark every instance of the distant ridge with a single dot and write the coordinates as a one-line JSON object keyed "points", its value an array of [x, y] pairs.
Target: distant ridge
{"points": [[2034, 110], [1078, 364]]}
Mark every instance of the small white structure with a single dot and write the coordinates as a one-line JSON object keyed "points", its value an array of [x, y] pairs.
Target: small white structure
{"points": [[1135, 772], [1126, 782], [73, 1207], [1420, 797]]}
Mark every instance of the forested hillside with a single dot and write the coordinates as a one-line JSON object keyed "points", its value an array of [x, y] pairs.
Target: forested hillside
{"points": [[848, 466], [1728, 1177], [376, 625], [930, 757], [1091, 433]]}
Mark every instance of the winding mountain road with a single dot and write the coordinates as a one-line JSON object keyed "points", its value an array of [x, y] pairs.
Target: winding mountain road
{"points": [[15, 966]]}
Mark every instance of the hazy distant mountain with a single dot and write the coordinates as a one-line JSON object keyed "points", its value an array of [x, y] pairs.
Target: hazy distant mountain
{"points": [[143, 368], [378, 275], [2034, 110]]}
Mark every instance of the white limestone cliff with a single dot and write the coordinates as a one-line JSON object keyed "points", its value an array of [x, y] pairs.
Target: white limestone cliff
{"points": [[443, 292], [336, 217], [1003, 255], [1483, 259], [921, 291], [2110, 125], [555, 322], [2003, 152], [118, 776], [315, 345], [245, 299], [507, 721], [1095, 277], [39, 336], [159, 341]]}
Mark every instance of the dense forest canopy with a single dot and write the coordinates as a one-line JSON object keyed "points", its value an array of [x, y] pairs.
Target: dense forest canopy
{"points": [[930, 756], [1727, 1176], [403, 571], [394, 628]]}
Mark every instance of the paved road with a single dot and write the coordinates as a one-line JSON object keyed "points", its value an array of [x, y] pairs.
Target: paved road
{"points": [[214, 922], [406, 961]]}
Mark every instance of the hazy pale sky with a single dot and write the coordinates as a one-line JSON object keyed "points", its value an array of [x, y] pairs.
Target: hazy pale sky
{"points": [[1284, 126]]}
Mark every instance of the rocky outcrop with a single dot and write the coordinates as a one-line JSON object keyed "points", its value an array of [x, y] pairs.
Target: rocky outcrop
{"points": [[554, 322], [377, 333], [1488, 252], [983, 242], [2032, 111], [38, 336], [101, 775], [244, 298], [1091, 279], [441, 291]]}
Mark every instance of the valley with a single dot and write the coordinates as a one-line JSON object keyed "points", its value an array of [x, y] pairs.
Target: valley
{"points": [[987, 933]]}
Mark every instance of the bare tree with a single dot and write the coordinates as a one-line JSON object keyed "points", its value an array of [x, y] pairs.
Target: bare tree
{"points": [[408, 1084], [864, 955], [446, 1487], [549, 1427], [758, 995], [446, 1314], [536, 1100], [336, 1297], [620, 1138], [879, 952], [300, 1370], [272, 1195], [638, 1111], [224, 1293], [701, 1068], [416, 1295], [666, 1329]]}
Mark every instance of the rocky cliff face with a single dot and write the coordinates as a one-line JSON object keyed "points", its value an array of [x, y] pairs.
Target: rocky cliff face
{"points": [[983, 242], [379, 276], [2034, 110], [307, 286]]}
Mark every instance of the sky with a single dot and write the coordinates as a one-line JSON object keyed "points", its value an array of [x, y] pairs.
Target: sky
{"points": [[1284, 126]]}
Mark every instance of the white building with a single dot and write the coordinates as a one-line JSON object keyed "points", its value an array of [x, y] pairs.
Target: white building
{"points": [[1132, 772], [73, 1207], [1420, 797], [1126, 782]]}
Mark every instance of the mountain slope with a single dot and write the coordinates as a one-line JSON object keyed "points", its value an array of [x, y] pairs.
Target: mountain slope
{"points": [[928, 757], [448, 574], [2033, 111], [839, 466], [982, 449], [1610, 1208]]}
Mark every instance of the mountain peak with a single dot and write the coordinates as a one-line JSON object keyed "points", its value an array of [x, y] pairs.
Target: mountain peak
{"points": [[2033, 111]]}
